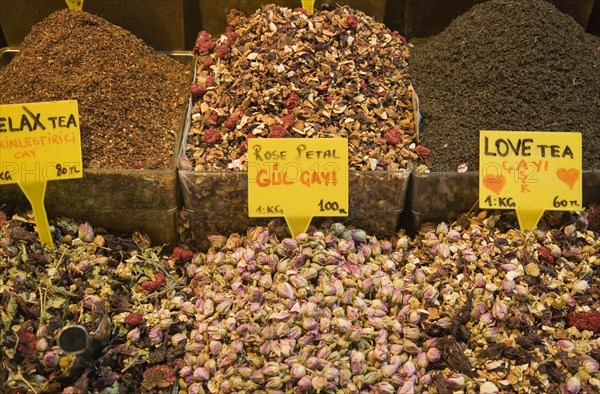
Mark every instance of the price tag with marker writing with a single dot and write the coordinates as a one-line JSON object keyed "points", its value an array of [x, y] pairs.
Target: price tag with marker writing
{"points": [[530, 172], [39, 142], [297, 178]]}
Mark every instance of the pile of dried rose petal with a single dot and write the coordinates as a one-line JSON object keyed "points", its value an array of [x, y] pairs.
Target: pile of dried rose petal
{"points": [[285, 73], [477, 306]]}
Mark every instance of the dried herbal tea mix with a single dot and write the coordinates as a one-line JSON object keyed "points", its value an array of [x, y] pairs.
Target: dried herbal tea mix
{"points": [[475, 306], [506, 65], [284, 73], [131, 98]]}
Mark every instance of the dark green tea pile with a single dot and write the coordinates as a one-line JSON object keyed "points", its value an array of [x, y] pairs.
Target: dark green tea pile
{"points": [[506, 65], [130, 97]]}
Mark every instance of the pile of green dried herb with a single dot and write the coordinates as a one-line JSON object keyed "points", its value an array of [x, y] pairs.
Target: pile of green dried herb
{"points": [[506, 65]]}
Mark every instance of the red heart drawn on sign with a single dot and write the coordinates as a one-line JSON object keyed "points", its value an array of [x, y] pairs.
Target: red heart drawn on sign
{"points": [[568, 175], [494, 182]]}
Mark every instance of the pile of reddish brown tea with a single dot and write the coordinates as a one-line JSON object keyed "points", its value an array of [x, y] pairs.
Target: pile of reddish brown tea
{"points": [[131, 98]]}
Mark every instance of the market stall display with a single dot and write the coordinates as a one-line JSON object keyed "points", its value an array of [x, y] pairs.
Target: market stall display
{"points": [[475, 305], [455, 299], [283, 73], [132, 106], [503, 65]]}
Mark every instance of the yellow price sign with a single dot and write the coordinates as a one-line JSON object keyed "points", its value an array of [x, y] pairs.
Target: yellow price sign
{"points": [[297, 178], [39, 142], [76, 5], [530, 171], [309, 5]]}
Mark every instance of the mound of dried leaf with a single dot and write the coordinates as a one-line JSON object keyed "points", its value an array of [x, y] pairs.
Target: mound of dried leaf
{"points": [[100, 281]]}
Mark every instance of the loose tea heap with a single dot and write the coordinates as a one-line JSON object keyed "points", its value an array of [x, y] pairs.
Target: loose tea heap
{"points": [[131, 98], [283, 73], [476, 306], [506, 65]]}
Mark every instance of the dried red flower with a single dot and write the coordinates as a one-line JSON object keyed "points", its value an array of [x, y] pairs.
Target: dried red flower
{"points": [[197, 91], [222, 51], [204, 43], [545, 255], [423, 151], [393, 136], [232, 35], [134, 319], [585, 320], [329, 99], [232, 122], [207, 62], [352, 22], [26, 343], [288, 120], [152, 285], [182, 254], [211, 136], [213, 119], [292, 100], [301, 10], [277, 131]]}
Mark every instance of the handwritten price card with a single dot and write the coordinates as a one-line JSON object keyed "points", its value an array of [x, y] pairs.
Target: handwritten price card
{"points": [[39, 142], [297, 178], [530, 172]]}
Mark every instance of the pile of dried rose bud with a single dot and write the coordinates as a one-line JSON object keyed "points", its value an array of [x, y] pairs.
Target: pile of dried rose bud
{"points": [[460, 307], [284, 73]]}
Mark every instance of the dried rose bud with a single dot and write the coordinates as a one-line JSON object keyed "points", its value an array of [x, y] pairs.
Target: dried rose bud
{"points": [[198, 91], [500, 310], [85, 232], [297, 371], [304, 384], [566, 345], [589, 364], [90, 300], [455, 381], [51, 359], [84, 266], [156, 335], [200, 374], [407, 387], [433, 355], [134, 335], [573, 385], [211, 136]]}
